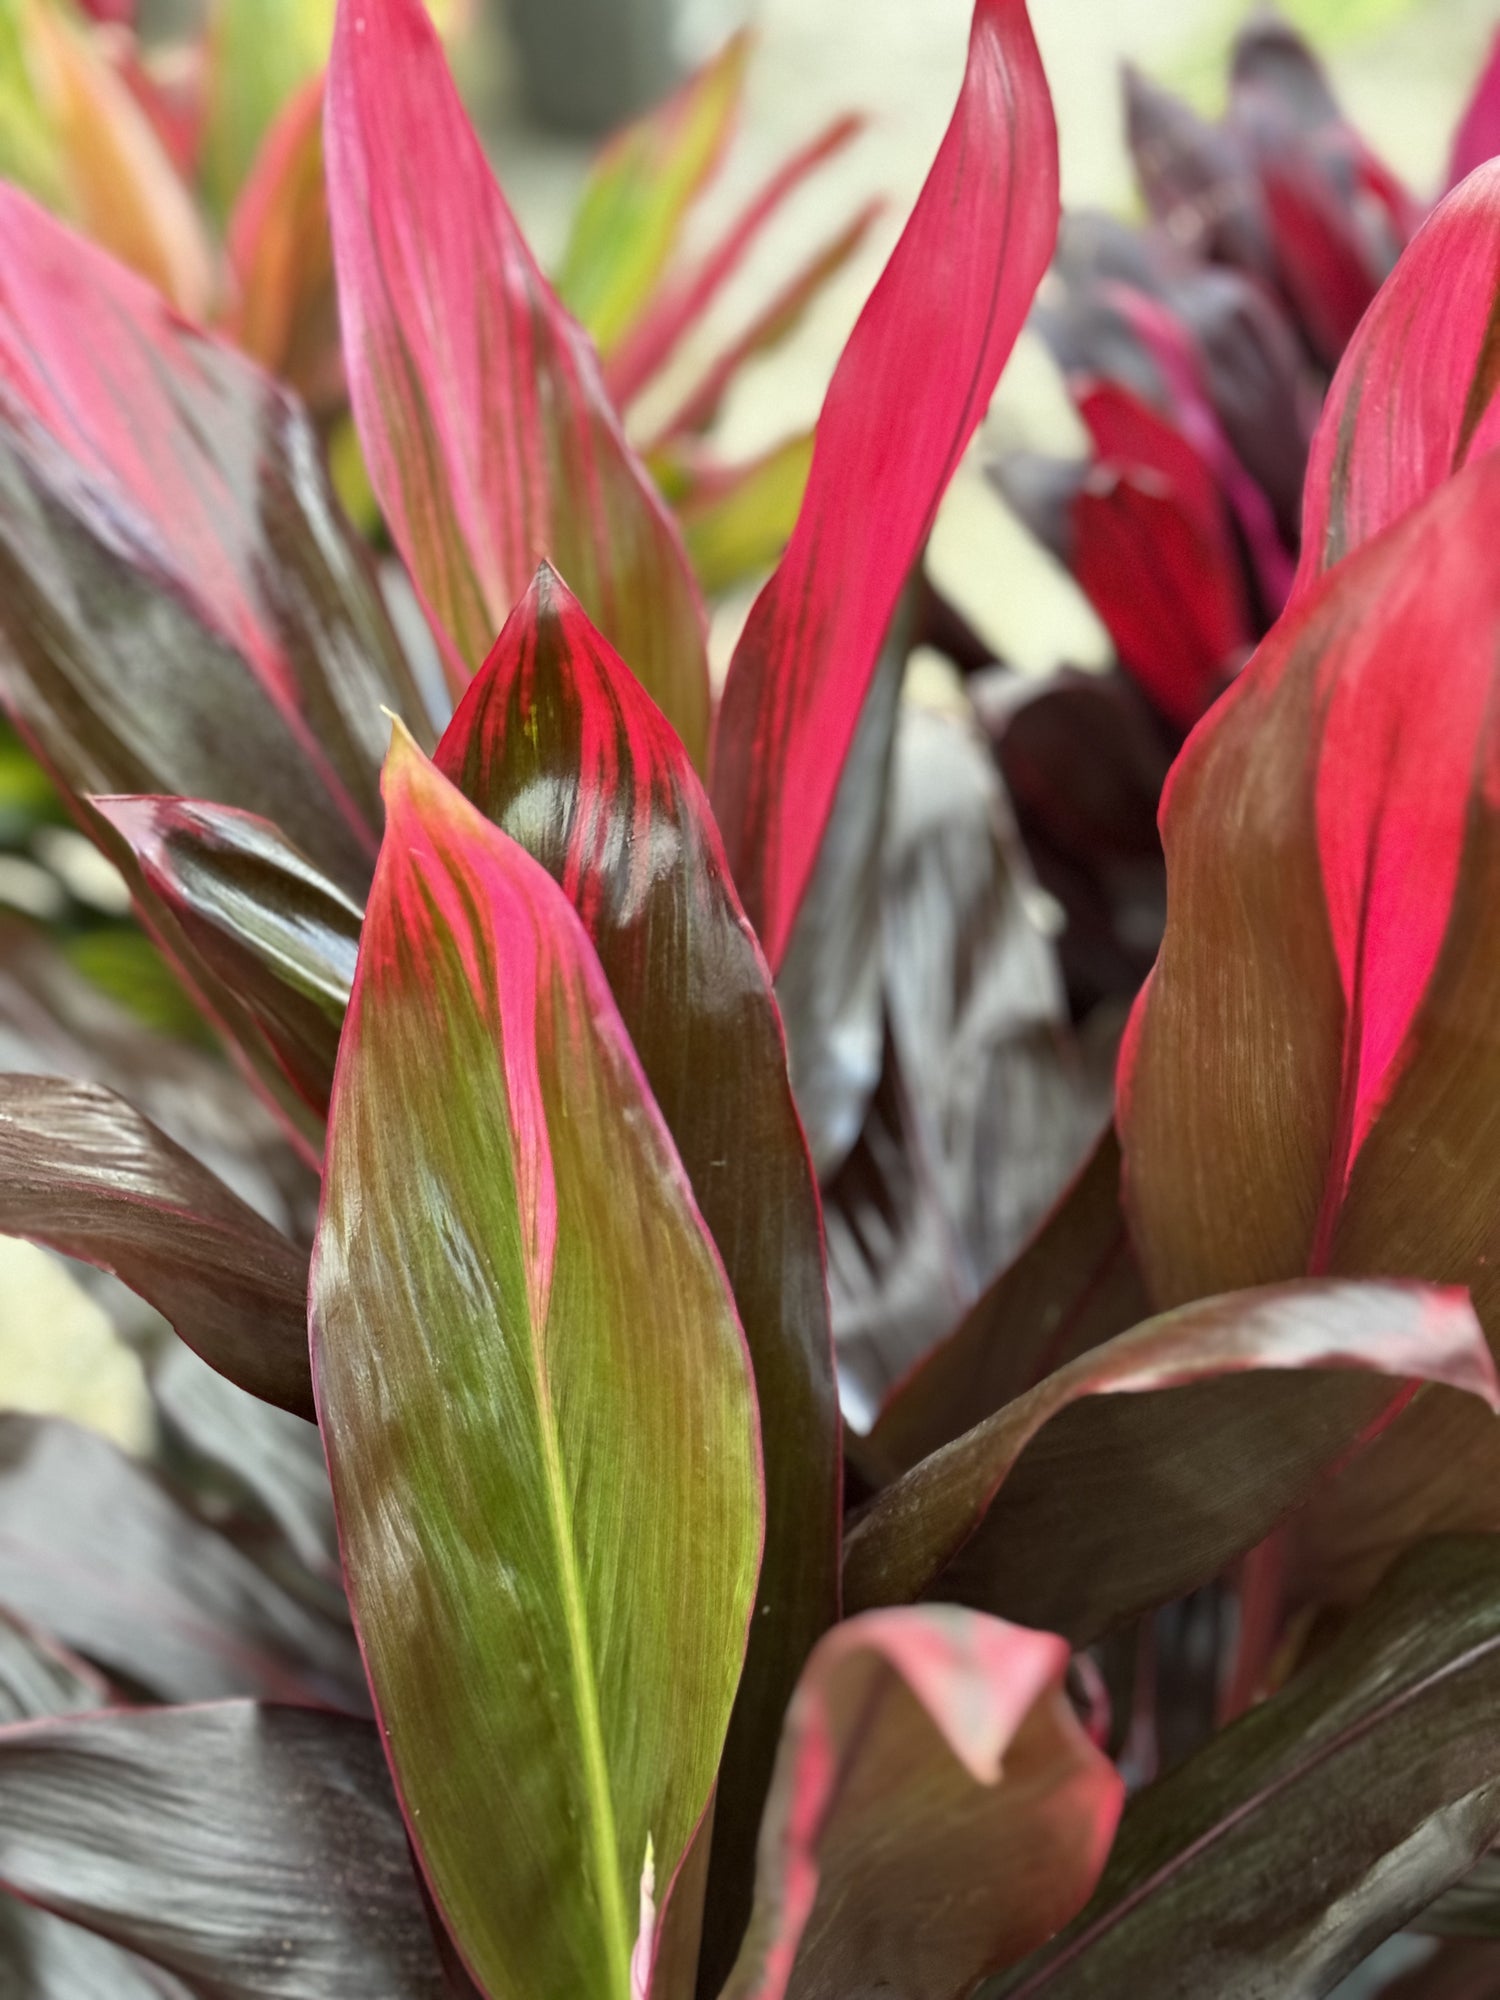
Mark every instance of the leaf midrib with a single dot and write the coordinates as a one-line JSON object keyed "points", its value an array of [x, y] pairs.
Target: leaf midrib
{"points": [[585, 1687]]}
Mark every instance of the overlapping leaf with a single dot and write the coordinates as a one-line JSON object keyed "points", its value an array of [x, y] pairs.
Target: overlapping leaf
{"points": [[1093, 1496], [1277, 1858], [930, 1762], [275, 930], [184, 610], [85, 1174], [556, 742], [1414, 397], [488, 434], [526, 1356], [927, 350], [95, 1550], [256, 1852]]}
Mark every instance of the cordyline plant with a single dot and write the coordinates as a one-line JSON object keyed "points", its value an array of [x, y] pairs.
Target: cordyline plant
{"points": [[608, 1683]]}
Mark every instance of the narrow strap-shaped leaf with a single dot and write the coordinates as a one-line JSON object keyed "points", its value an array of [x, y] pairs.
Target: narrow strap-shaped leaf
{"points": [[638, 193], [1131, 1498], [1278, 1857], [125, 191], [737, 519], [268, 923], [927, 351], [84, 1173], [40, 1677], [285, 309], [683, 301], [938, 1811], [94, 1550], [558, 744], [1414, 397], [488, 434], [538, 1408], [256, 1852], [1477, 137], [44, 1958], [183, 607]]}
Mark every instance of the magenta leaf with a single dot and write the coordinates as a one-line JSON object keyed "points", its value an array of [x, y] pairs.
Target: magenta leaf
{"points": [[490, 439], [927, 351]]}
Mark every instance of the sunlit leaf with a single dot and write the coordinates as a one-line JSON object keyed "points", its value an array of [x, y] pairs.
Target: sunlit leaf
{"points": [[530, 1469], [488, 434], [927, 350]]}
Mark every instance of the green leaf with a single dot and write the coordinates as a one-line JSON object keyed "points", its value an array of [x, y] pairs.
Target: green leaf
{"points": [[1133, 1475], [638, 192], [538, 1408], [557, 743], [1282, 1854]]}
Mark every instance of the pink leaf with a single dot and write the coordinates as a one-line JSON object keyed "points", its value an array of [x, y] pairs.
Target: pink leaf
{"points": [[925, 356], [490, 440]]}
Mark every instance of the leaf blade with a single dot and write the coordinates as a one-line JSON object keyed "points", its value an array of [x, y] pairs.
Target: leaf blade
{"points": [[519, 1060]]}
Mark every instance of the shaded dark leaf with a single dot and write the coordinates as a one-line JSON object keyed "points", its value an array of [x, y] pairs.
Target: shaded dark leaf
{"points": [[1133, 1475], [84, 1173], [95, 1550], [1278, 1857], [256, 1852], [259, 915]]}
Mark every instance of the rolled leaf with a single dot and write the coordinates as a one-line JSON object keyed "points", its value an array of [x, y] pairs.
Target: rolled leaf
{"points": [[486, 428], [555, 716], [1093, 1497], [259, 915], [928, 350], [1414, 397], [1320, 1823], [930, 1761], [563, 1355], [640, 188], [183, 608], [255, 1852], [94, 1550], [84, 1173]]}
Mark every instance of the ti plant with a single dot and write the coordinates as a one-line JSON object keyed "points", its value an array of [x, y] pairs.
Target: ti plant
{"points": [[631, 1646]]}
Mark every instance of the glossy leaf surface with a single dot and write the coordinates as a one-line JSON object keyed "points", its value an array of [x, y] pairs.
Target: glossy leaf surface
{"points": [[603, 1555], [256, 1852], [1317, 1825], [53, 1022], [1091, 1498], [557, 743], [1414, 397], [84, 1173], [1330, 835], [266, 921], [160, 1600], [183, 610], [931, 1762], [928, 348], [488, 434]]}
